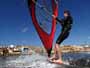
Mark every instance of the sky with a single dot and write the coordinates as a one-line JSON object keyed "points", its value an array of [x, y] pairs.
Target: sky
{"points": [[16, 24]]}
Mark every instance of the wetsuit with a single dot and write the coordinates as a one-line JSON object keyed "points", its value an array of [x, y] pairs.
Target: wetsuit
{"points": [[66, 24]]}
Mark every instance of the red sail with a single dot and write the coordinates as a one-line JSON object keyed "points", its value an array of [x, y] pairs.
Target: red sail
{"points": [[47, 39]]}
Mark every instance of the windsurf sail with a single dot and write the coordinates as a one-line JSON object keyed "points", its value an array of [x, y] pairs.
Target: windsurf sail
{"points": [[41, 12]]}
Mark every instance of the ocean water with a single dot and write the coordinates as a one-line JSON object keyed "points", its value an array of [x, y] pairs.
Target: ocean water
{"points": [[40, 61]]}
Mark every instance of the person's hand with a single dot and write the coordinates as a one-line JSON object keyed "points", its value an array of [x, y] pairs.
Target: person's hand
{"points": [[53, 16]]}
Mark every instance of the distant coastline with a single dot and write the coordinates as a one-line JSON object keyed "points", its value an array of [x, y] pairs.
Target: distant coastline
{"points": [[17, 50]]}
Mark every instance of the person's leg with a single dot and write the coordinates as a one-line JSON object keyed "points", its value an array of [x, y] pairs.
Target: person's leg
{"points": [[57, 46], [53, 56], [60, 39], [58, 52]]}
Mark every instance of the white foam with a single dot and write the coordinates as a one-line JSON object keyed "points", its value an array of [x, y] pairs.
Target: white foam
{"points": [[33, 61]]}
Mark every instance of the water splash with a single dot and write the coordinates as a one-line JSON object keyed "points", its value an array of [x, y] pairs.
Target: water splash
{"points": [[38, 61], [33, 61]]}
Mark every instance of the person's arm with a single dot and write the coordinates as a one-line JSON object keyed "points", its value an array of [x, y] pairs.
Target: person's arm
{"points": [[58, 20]]}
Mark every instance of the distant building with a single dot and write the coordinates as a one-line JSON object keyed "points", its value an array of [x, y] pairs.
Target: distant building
{"points": [[71, 48], [87, 49]]}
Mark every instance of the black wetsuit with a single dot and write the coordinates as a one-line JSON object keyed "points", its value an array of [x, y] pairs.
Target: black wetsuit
{"points": [[66, 24]]}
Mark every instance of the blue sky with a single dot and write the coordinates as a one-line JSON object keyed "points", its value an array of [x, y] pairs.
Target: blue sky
{"points": [[16, 25]]}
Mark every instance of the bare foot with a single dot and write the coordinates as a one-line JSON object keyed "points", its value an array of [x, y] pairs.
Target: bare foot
{"points": [[51, 58], [58, 61]]}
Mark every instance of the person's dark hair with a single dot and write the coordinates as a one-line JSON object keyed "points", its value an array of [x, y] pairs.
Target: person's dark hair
{"points": [[67, 11]]}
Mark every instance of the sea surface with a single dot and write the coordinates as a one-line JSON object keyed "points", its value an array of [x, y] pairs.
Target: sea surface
{"points": [[78, 60]]}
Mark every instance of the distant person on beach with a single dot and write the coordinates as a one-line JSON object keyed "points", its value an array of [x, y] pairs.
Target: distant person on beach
{"points": [[66, 24]]}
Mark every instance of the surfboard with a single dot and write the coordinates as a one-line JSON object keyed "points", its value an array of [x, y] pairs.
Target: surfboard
{"points": [[65, 64]]}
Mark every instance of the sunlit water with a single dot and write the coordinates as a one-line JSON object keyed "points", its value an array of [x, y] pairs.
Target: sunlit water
{"points": [[37, 61]]}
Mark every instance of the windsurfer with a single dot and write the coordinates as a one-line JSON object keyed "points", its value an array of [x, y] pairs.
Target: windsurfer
{"points": [[66, 24]]}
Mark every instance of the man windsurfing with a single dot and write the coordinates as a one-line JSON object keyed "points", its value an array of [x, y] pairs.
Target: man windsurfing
{"points": [[66, 24]]}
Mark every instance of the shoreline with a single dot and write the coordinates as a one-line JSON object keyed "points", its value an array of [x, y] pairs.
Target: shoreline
{"points": [[17, 50]]}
